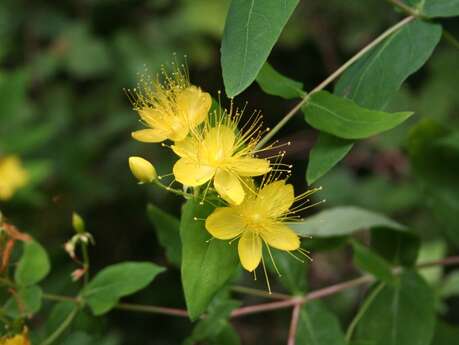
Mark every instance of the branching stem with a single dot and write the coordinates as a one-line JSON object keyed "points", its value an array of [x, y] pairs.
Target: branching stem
{"points": [[332, 77]]}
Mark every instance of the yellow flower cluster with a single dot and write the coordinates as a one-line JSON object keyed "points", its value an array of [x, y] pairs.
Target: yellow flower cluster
{"points": [[12, 176], [215, 152], [18, 339]]}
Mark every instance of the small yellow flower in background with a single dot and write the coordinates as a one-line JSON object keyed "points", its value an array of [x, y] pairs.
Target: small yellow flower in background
{"points": [[12, 176], [218, 151], [142, 169], [18, 339], [261, 217], [169, 108]]}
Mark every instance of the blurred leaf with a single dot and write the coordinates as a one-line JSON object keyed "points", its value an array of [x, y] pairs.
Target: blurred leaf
{"points": [[113, 282], [370, 262], [215, 322], [430, 251], [274, 83], [33, 266], [26, 302], [85, 55], [207, 263], [437, 168], [318, 326], [342, 221], [400, 315], [58, 314], [168, 230], [345, 119], [397, 247], [252, 28], [326, 152], [450, 286], [450, 141], [292, 272], [375, 78], [445, 334], [228, 336], [436, 8]]}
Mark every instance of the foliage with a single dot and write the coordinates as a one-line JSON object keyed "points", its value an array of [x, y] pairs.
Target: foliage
{"points": [[369, 91]]}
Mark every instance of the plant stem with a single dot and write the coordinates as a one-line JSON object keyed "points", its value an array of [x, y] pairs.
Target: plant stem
{"points": [[362, 311], [332, 77], [254, 309], [152, 309], [63, 326], [173, 190], [260, 293], [294, 324], [450, 38], [405, 8]]}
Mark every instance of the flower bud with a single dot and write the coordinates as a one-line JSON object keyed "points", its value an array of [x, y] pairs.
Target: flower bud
{"points": [[78, 223], [142, 169]]}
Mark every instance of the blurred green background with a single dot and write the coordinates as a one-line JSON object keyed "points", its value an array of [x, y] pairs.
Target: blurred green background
{"points": [[63, 67]]}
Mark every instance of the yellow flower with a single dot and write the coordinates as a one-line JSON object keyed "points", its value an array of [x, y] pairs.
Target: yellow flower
{"points": [[12, 176], [18, 339], [171, 108], [142, 169], [218, 151], [261, 217]]}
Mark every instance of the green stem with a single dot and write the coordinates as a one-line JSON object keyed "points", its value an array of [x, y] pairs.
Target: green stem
{"points": [[450, 38], [332, 77], [61, 329], [173, 190], [405, 8], [259, 293], [363, 309]]}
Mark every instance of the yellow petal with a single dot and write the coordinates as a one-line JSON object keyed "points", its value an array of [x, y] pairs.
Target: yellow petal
{"points": [[224, 223], [276, 198], [150, 135], [250, 166], [218, 144], [229, 187], [281, 237], [192, 174], [187, 148], [193, 105], [153, 118], [179, 128], [250, 250]]}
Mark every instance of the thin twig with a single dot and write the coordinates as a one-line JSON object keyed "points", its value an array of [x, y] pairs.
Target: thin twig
{"points": [[254, 309], [62, 327], [405, 8], [450, 39], [294, 324], [332, 77]]}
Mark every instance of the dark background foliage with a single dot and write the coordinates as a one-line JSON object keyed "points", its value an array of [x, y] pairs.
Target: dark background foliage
{"points": [[63, 68]]}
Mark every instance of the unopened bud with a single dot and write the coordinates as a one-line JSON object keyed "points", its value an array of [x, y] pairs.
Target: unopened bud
{"points": [[78, 223], [142, 169]]}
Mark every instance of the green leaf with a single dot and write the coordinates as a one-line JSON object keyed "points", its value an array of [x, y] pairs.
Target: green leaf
{"points": [[450, 286], [215, 322], [397, 247], [445, 334], [340, 221], [207, 264], [252, 28], [400, 315], [26, 302], [376, 77], [318, 326], [33, 266], [438, 180], [327, 151], [345, 119], [450, 141], [168, 230], [292, 272], [228, 336], [370, 262], [436, 8], [113, 282], [274, 83]]}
